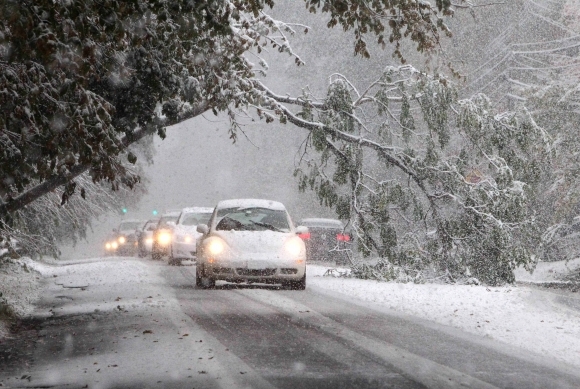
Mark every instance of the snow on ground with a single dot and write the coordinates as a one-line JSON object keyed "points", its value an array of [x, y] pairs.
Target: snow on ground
{"points": [[548, 271], [539, 320], [19, 286], [529, 318], [128, 314]]}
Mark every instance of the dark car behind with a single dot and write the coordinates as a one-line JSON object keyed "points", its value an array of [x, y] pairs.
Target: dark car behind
{"points": [[126, 237], [326, 240]]}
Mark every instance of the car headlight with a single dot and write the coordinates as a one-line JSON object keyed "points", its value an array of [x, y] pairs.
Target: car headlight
{"points": [[294, 246], [216, 246], [114, 245], [164, 238], [187, 239], [122, 239], [149, 240], [108, 246]]}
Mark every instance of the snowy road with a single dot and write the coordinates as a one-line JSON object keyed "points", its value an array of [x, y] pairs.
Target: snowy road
{"points": [[128, 323], [313, 340]]}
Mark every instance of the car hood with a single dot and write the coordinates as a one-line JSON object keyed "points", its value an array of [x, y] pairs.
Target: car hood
{"points": [[254, 241], [185, 229]]}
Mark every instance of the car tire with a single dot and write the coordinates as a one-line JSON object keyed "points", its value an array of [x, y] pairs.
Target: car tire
{"points": [[174, 261], [207, 283], [301, 284], [201, 281], [198, 276], [295, 285]]}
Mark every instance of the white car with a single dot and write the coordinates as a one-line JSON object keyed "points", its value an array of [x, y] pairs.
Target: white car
{"points": [[185, 235], [163, 235], [251, 240], [145, 237]]}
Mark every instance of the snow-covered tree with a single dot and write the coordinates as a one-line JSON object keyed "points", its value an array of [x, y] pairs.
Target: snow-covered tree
{"points": [[533, 61], [81, 80], [41, 227], [432, 184]]}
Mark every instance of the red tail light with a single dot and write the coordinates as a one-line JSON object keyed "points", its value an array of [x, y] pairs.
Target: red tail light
{"points": [[304, 236], [343, 237]]}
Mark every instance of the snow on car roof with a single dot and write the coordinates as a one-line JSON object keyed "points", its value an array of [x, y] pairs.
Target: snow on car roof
{"points": [[320, 222], [171, 213], [197, 210], [251, 203], [131, 221]]}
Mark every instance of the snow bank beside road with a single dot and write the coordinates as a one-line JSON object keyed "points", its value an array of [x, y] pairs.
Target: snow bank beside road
{"points": [[548, 271], [531, 319], [20, 288]]}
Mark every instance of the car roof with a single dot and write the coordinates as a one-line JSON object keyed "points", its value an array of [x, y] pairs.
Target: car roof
{"points": [[321, 222], [130, 221], [251, 203], [171, 213], [197, 210]]}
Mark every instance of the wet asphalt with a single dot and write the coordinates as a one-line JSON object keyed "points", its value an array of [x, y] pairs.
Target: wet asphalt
{"points": [[290, 352]]}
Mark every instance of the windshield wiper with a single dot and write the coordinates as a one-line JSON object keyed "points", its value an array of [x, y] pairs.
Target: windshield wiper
{"points": [[266, 225]]}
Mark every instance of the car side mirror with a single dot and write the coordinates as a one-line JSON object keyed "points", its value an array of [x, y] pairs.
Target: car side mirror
{"points": [[202, 228], [301, 230]]}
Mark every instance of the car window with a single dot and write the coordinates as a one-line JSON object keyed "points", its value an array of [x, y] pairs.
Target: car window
{"points": [[126, 226], [252, 219], [150, 226], [193, 219], [163, 221]]}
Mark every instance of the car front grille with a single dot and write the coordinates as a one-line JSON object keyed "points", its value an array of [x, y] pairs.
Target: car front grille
{"points": [[223, 270], [256, 272], [288, 271]]}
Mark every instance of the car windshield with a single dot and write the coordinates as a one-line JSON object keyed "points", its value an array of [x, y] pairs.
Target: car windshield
{"points": [[150, 226], [127, 226], [252, 219], [166, 219], [194, 218]]}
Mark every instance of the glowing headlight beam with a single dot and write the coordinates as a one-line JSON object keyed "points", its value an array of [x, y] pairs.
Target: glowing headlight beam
{"points": [[164, 238], [216, 247], [122, 240], [294, 246]]}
